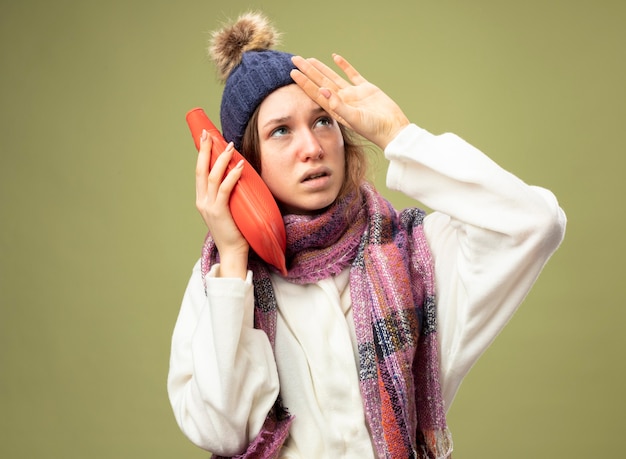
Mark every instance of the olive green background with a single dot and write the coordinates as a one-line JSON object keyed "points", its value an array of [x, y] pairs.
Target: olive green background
{"points": [[99, 231]]}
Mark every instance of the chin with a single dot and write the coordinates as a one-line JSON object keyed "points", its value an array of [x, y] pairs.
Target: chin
{"points": [[310, 208]]}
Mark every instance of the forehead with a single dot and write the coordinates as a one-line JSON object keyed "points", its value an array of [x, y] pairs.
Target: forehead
{"points": [[286, 102]]}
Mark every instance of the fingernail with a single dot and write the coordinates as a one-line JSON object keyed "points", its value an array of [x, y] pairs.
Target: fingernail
{"points": [[325, 92], [239, 164], [204, 135]]}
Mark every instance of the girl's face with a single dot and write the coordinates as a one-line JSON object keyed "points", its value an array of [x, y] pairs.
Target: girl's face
{"points": [[302, 151]]}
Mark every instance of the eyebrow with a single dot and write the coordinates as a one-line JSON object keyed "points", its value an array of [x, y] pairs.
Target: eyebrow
{"points": [[275, 121], [282, 119]]}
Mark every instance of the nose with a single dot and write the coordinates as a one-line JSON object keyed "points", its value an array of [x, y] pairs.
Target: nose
{"points": [[309, 146]]}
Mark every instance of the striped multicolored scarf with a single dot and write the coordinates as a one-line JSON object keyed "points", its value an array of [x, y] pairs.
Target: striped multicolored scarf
{"points": [[393, 300]]}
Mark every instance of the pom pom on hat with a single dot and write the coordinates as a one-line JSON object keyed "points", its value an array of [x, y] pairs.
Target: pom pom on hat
{"points": [[250, 68], [252, 31]]}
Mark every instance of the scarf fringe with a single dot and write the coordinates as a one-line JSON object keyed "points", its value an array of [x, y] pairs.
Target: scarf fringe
{"points": [[438, 444]]}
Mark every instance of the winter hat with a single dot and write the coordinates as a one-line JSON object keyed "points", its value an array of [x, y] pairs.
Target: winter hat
{"points": [[249, 67]]}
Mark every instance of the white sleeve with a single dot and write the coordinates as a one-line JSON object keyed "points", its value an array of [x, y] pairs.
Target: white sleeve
{"points": [[222, 379], [490, 235]]}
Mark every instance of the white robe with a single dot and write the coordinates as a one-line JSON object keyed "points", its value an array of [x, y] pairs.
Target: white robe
{"points": [[490, 235]]}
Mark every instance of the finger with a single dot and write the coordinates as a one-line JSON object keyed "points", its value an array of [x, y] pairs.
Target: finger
{"points": [[229, 182], [202, 164], [323, 97], [218, 171], [327, 77], [353, 75], [318, 73], [311, 89]]}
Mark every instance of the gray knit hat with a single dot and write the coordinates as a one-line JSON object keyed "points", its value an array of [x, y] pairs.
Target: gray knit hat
{"points": [[250, 69]]}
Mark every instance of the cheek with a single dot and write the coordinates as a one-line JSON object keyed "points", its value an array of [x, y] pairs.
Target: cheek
{"points": [[338, 144], [272, 168], [340, 151]]}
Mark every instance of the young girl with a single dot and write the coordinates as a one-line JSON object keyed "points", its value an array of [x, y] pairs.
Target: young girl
{"points": [[359, 349]]}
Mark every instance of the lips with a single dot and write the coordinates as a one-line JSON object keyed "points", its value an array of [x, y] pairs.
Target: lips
{"points": [[315, 174]]}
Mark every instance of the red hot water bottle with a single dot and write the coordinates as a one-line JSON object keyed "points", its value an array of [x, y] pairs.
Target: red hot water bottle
{"points": [[252, 205]]}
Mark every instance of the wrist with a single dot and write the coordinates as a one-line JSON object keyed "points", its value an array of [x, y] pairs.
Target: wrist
{"points": [[393, 132], [233, 265]]}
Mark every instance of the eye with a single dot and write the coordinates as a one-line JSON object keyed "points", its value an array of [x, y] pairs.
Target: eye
{"points": [[279, 131], [324, 121]]}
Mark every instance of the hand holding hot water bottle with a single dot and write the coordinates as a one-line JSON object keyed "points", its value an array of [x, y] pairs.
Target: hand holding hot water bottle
{"points": [[252, 205]]}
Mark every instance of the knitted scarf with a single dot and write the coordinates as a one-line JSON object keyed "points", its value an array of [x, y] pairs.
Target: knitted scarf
{"points": [[393, 300]]}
